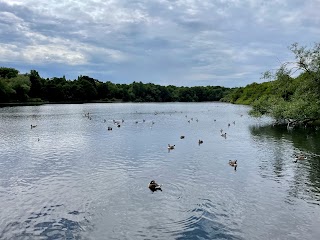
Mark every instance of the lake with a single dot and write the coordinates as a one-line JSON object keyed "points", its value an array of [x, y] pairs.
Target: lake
{"points": [[71, 178]]}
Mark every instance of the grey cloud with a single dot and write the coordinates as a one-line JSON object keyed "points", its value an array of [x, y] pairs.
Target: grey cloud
{"points": [[186, 42]]}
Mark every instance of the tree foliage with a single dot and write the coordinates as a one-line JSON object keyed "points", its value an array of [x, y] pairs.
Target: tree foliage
{"points": [[15, 88], [288, 99], [31, 87], [8, 72]]}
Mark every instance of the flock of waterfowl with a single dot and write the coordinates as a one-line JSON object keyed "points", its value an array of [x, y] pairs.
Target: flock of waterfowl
{"points": [[153, 186]]}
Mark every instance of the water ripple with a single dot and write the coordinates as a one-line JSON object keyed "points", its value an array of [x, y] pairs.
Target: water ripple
{"points": [[71, 178]]}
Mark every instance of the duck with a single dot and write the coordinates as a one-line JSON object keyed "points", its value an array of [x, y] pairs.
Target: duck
{"points": [[109, 128], [224, 135], [171, 146], [200, 141], [33, 126], [116, 122], [299, 157], [182, 137], [153, 186], [233, 164]]}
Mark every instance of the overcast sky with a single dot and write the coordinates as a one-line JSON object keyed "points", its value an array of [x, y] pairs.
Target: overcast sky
{"points": [[180, 42]]}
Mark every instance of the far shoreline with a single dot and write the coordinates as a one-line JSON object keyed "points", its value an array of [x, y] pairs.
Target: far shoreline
{"points": [[16, 104]]}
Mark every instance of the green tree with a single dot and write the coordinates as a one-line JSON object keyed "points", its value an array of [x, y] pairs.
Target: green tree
{"points": [[294, 100], [36, 84], [4, 91], [8, 72], [20, 87]]}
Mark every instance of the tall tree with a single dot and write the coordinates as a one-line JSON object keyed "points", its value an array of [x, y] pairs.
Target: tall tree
{"points": [[36, 84]]}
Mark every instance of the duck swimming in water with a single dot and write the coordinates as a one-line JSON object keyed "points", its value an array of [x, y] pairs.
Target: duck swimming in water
{"points": [[153, 186], [170, 147], [233, 164], [299, 157]]}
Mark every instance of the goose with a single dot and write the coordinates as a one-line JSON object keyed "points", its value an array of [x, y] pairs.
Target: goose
{"points": [[233, 164], [153, 186]]}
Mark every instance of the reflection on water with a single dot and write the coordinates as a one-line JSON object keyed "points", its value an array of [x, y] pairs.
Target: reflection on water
{"points": [[301, 176], [71, 178]]}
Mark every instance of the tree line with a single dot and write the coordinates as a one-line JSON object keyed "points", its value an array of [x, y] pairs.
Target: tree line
{"points": [[16, 87]]}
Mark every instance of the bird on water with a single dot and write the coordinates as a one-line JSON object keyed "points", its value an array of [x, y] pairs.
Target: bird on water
{"points": [[153, 186]]}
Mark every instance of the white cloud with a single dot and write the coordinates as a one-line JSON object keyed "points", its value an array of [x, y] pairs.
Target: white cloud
{"points": [[52, 53], [9, 52]]}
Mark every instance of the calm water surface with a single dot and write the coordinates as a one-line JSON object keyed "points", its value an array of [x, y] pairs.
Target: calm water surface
{"points": [[71, 178]]}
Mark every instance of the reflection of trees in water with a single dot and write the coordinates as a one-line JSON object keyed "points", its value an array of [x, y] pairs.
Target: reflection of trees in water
{"points": [[281, 144]]}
